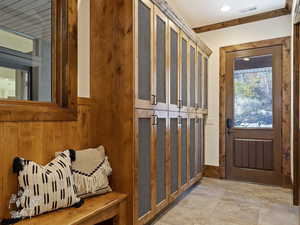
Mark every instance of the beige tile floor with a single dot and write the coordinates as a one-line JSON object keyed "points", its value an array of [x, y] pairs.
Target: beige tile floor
{"points": [[222, 202]]}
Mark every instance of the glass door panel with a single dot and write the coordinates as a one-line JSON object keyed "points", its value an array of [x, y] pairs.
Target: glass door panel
{"points": [[253, 92]]}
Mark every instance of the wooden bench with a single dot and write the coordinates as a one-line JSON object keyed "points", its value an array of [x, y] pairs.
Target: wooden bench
{"points": [[94, 210]]}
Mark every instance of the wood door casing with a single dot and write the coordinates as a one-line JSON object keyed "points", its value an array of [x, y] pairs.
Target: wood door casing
{"points": [[296, 126], [254, 154]]}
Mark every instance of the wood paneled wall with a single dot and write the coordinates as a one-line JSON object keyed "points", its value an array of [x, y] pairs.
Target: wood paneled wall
{"points": [[39, 141], [112, 75]]}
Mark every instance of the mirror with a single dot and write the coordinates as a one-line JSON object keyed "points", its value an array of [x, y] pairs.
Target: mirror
{"points": [[25, 50]]}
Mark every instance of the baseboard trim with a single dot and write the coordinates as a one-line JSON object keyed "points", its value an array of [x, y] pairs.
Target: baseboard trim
{"points": [[212, 171]]}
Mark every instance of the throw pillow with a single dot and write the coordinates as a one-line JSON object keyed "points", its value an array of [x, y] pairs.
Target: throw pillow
{"points": [[45, 188], [90, 171]]}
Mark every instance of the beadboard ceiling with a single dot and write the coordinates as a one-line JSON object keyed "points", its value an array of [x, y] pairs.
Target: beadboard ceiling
{"points": [[28, 17], [205, 12]]}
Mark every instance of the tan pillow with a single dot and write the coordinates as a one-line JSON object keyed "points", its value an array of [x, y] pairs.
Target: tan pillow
{"points": [[90, 172]]}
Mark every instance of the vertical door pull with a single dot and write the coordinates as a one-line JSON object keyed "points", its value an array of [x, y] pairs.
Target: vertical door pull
{"points": [[179, 120], [154, 120], [154, 102]]}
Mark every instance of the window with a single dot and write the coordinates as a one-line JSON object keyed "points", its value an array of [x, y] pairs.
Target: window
{"points": [[25, 42], [38, 60], [253, 92]]}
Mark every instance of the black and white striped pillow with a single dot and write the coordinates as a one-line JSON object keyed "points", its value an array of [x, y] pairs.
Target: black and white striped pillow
{"points": [[46, 188]]}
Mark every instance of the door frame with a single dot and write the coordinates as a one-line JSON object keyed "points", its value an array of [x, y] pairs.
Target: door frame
{"points": [[296, 104], [285, 42]]}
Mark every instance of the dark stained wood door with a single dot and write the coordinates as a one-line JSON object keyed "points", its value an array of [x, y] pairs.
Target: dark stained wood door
{"points": [[253, 112]]}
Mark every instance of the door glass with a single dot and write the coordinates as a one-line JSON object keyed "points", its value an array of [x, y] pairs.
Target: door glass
{"points": [[253, 98]]}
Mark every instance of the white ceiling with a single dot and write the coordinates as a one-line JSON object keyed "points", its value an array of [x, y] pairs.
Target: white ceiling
{"points": [[204, 12]]}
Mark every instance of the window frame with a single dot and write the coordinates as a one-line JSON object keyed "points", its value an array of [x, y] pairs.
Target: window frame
{"points": [[63, 106]]}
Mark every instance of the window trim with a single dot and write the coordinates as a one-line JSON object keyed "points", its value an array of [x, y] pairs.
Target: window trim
{"points": [[64, 73]]}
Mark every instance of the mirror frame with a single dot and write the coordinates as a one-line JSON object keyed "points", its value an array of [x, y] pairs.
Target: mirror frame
{"points": [[63, 106]]}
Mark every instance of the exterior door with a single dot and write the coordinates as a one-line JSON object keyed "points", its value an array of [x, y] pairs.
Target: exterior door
{"points": [[253, 112]]}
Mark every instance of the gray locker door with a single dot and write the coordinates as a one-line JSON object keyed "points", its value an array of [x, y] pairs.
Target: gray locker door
{"points": [[174, 68], [161, 61], [192, 148], [161, 160], [184, 73], [192, 77], [144, 51], [184, 151], [205, 103], [174, 154], [200, 80], [144, 165]]}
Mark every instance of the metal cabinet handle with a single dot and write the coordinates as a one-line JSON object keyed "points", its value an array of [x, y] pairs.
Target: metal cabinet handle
{"points": [[155, 120], [154, 100], [179, 120], [180, 103]]}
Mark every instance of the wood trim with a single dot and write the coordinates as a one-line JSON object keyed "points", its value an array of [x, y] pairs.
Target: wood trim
{"points": [[212, 171], [244, 20], [179, 21], [289, 5], [64, 73], [296, 94], [286, 99], [86, 101]]}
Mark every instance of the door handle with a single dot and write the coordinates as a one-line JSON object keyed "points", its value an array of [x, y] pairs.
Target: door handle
{"points": [[229, 125]]}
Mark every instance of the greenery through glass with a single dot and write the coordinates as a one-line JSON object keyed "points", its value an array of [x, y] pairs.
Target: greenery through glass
{"points": [[253, 98]]}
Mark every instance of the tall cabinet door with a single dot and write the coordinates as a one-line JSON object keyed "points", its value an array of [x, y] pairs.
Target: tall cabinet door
{"points": [[184, 151], [193, 145], [144, 142], [144, 91], [192, 77], [160, 68], [184, 73], [205, 83], [199, 154], [161, 156], [199, 80], [173, 64], [175, 124]]}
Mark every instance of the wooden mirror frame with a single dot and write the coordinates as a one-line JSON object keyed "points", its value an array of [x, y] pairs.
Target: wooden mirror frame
{"points": [[63, 106]]}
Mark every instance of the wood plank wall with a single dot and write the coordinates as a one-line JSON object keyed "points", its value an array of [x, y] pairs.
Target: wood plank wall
{"points": [[39, 141], [112, 74]]}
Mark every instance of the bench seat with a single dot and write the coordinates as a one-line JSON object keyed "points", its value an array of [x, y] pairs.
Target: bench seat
{"points": [[94, 210]]}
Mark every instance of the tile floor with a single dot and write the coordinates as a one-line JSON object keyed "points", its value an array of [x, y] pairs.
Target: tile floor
{"points": [[222, 202]]}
